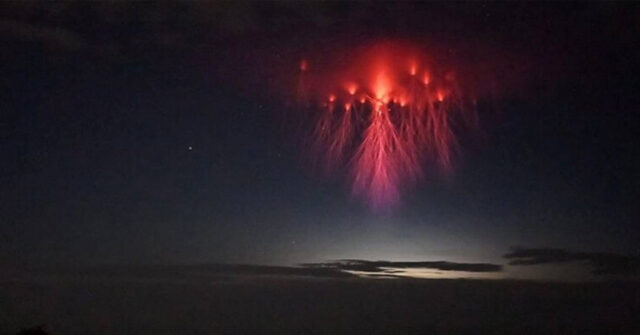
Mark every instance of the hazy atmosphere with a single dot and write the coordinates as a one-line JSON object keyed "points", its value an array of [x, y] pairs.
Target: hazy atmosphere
{"points": [[338, 141]]}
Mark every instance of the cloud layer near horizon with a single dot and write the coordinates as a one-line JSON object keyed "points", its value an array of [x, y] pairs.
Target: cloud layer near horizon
{"points": [[392, 266], [602, 263]]}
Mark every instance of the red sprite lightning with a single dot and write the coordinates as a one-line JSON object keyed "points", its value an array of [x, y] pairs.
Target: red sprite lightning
{"points": [[384, 116]]}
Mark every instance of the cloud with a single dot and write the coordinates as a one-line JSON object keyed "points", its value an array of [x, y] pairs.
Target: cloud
{"points": [[335, 269], [391, 267], [602, 263], [159, 23], [240, 269], [53, 36], [178, 272]]}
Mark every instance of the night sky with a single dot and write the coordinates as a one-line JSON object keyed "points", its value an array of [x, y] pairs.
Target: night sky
{"points": [[153, 133]]}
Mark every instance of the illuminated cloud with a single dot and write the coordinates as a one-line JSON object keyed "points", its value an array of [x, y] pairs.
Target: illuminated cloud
{"points": [[423, 269]]}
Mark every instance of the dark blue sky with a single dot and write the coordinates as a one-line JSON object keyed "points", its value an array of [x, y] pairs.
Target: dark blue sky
{"points": [[100, 110]]}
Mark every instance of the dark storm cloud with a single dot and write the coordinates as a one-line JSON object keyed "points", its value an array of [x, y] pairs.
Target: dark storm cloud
{"points": [[337, 269], [241, 269], [392, 267], [602, 263], [159, 23], [52, 36], [180, 272]]}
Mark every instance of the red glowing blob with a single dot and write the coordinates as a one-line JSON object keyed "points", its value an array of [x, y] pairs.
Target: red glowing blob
{"points": [[425, 79], [351, 88], [413, 69]]}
